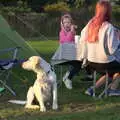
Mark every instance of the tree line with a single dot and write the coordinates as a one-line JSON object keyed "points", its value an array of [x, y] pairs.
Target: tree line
{"points": [[38, 5]]}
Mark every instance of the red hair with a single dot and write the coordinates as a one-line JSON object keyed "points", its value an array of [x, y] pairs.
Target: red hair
{"points": [[102, 14]]}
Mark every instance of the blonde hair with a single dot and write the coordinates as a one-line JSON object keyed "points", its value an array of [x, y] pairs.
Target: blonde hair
{"points": [[66, 16]]}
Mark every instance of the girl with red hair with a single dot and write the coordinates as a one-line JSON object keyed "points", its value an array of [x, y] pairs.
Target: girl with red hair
{"points": [[101, 42]]}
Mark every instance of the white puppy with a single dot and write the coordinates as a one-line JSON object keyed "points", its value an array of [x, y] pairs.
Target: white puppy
{"points": [[45, 85]]}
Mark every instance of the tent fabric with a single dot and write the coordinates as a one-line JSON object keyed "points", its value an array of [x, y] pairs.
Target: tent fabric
{"points": [[10, 38]]}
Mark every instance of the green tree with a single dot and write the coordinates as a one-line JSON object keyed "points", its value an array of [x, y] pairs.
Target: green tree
{"points": [[56, 8], [84, 3], [37, 5], [8, 2]]}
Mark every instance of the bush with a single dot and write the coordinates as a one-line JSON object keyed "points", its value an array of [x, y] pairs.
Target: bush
{"points": [[116, 13], [21, 7], [56, 8]]}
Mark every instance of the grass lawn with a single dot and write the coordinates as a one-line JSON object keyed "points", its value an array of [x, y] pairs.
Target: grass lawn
{"points": [[73, 104]]}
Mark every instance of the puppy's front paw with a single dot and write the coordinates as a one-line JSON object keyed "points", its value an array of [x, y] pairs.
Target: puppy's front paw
{"points": [[43, 109], [32, 107], [55, 107]]}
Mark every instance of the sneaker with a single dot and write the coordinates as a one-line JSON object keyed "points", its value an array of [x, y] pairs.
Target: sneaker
{"points": [[89, 76], [89, 91], [111, 92], [66, 76], [67, 82]]}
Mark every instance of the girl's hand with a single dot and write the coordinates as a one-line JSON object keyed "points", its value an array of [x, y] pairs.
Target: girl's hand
{"points": [[73, 27]]}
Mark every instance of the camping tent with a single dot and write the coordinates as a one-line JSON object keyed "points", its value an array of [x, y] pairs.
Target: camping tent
{"points": [[10, 38]]}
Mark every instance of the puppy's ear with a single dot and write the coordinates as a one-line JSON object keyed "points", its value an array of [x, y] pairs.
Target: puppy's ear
{"points": [[37, 62]]}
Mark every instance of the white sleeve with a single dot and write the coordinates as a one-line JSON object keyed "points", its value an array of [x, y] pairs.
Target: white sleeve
{"points": [[84, 33], [112, 40], [82, 45]]}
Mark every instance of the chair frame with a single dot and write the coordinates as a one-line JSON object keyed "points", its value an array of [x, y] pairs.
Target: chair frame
{"points": [[104, 92], [108, 83], [14, 56]]}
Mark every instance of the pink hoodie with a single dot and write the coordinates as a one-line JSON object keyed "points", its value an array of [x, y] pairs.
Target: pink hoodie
{"points": [[66, 37]]}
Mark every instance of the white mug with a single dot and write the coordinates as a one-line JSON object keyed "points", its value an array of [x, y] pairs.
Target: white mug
{"points": [[77, 37]]}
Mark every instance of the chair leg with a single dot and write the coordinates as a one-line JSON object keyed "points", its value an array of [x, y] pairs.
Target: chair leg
{"points": [[106, 87], [6, 86], [58, 70], [106, 84], [94, 84]]}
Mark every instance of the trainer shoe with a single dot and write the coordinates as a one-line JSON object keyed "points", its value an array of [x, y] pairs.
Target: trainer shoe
{"points": [[111, 92], [67, 82], [66, 75], [89, 91]]}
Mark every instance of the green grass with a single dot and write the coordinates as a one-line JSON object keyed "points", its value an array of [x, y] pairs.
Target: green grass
{"points": [[73, 104], [45, 48]]}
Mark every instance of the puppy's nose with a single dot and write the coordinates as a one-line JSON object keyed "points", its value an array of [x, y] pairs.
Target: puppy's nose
{"points": [[23, 65]]}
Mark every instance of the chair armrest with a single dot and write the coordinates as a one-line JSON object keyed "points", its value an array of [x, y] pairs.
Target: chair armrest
{"points": [[9, 49]]}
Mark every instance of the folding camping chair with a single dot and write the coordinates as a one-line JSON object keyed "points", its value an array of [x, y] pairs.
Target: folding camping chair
{"points": [[107, 85], [6, 66]]}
